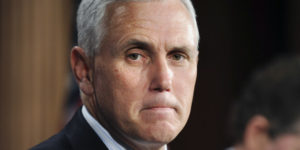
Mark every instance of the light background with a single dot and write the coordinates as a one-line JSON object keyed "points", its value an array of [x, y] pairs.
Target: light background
{"points": [[34, 43]]}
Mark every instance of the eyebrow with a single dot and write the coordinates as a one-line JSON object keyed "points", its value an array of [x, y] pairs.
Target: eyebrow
{"points": [[138, 43], [190, 52], [183, 49], [146, 46]]}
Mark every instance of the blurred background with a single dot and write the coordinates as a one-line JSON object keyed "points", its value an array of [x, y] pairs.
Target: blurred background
{"points": [[38, 94]]}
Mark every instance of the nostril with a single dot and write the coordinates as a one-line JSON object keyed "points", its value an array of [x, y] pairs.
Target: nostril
{"points": [[161, 89], [158, 89]]}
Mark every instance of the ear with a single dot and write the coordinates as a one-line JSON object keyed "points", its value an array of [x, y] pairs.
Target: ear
{"points": [[81, 70], [256, 133]]}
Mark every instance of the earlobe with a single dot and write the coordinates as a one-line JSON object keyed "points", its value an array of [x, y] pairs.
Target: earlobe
{"points": [[256, 133], [86, 87], [81, 69]]}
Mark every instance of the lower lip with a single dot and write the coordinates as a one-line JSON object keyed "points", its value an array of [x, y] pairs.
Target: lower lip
{"points": [[158, 114]]}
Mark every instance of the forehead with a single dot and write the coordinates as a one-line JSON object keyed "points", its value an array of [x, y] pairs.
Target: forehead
{"points": [[158, 5], [132, 6], [164, 17]]}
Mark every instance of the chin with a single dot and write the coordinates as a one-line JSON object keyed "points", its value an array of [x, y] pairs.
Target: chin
{"points": [[163, 132]]}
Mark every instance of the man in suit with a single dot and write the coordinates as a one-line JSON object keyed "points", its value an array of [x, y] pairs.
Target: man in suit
{"points": [[267, 115], [136, 67]]}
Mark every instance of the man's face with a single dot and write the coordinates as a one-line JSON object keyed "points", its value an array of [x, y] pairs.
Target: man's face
{"points": [[146, 70]]}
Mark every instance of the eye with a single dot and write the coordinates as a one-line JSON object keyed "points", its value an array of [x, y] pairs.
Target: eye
{"points": [[177, 57], [134, 56]]}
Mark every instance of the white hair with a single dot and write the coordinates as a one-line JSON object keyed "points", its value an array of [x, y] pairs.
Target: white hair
{"points": [[91, 23]]}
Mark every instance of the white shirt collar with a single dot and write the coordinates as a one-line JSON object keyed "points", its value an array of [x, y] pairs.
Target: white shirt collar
{"points": [[109, 142], [102, 133]]}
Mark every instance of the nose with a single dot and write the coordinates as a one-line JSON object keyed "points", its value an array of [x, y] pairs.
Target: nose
{"points": [[161, 76]]}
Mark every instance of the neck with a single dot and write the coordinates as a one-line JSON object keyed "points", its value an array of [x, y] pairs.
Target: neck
{"points": [[123, 139], [134, 144], [127, 141]]}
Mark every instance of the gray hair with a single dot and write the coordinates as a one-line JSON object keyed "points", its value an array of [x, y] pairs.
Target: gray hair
{"points": [[91, 23]]}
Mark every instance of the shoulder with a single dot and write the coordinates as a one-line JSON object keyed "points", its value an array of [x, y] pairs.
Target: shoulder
{"points": [[76, 135], [57, 142]]}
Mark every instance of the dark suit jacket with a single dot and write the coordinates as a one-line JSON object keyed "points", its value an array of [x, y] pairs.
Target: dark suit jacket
{"points": [[77, 135]]}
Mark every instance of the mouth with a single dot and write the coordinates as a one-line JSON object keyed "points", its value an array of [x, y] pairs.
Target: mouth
{"points": [[160, 106], [161, 110], [158, 114]]}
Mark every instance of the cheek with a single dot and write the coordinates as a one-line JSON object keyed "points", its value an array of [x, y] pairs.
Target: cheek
{"points": [[119, 94], [126, 87], [184, 83], [128, 81]]}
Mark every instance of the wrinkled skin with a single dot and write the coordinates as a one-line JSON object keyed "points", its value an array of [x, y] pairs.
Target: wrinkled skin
{"points": [[145, 72]]}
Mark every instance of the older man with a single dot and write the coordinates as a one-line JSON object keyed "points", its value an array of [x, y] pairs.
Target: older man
{"points": [[136, 66]]}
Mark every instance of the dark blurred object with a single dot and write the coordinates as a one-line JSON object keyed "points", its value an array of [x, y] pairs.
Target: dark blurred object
{"points": [[269, 105]]}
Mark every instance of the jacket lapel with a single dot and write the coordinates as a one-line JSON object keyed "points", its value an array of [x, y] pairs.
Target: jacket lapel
{"points": [[81, 136]]}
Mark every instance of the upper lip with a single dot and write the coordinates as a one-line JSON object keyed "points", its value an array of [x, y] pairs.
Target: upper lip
{"points": [[158, 106], [161, 101]]}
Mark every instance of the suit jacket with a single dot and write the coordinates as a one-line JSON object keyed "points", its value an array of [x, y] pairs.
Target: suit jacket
{"points": [[77, 135]]}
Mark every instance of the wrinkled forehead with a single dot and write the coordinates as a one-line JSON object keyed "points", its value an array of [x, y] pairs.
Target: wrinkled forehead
{"points": [[123, 13], [119, 8]]}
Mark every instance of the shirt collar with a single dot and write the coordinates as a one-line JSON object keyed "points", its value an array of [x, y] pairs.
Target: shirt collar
{"points": [[102, 133]]}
